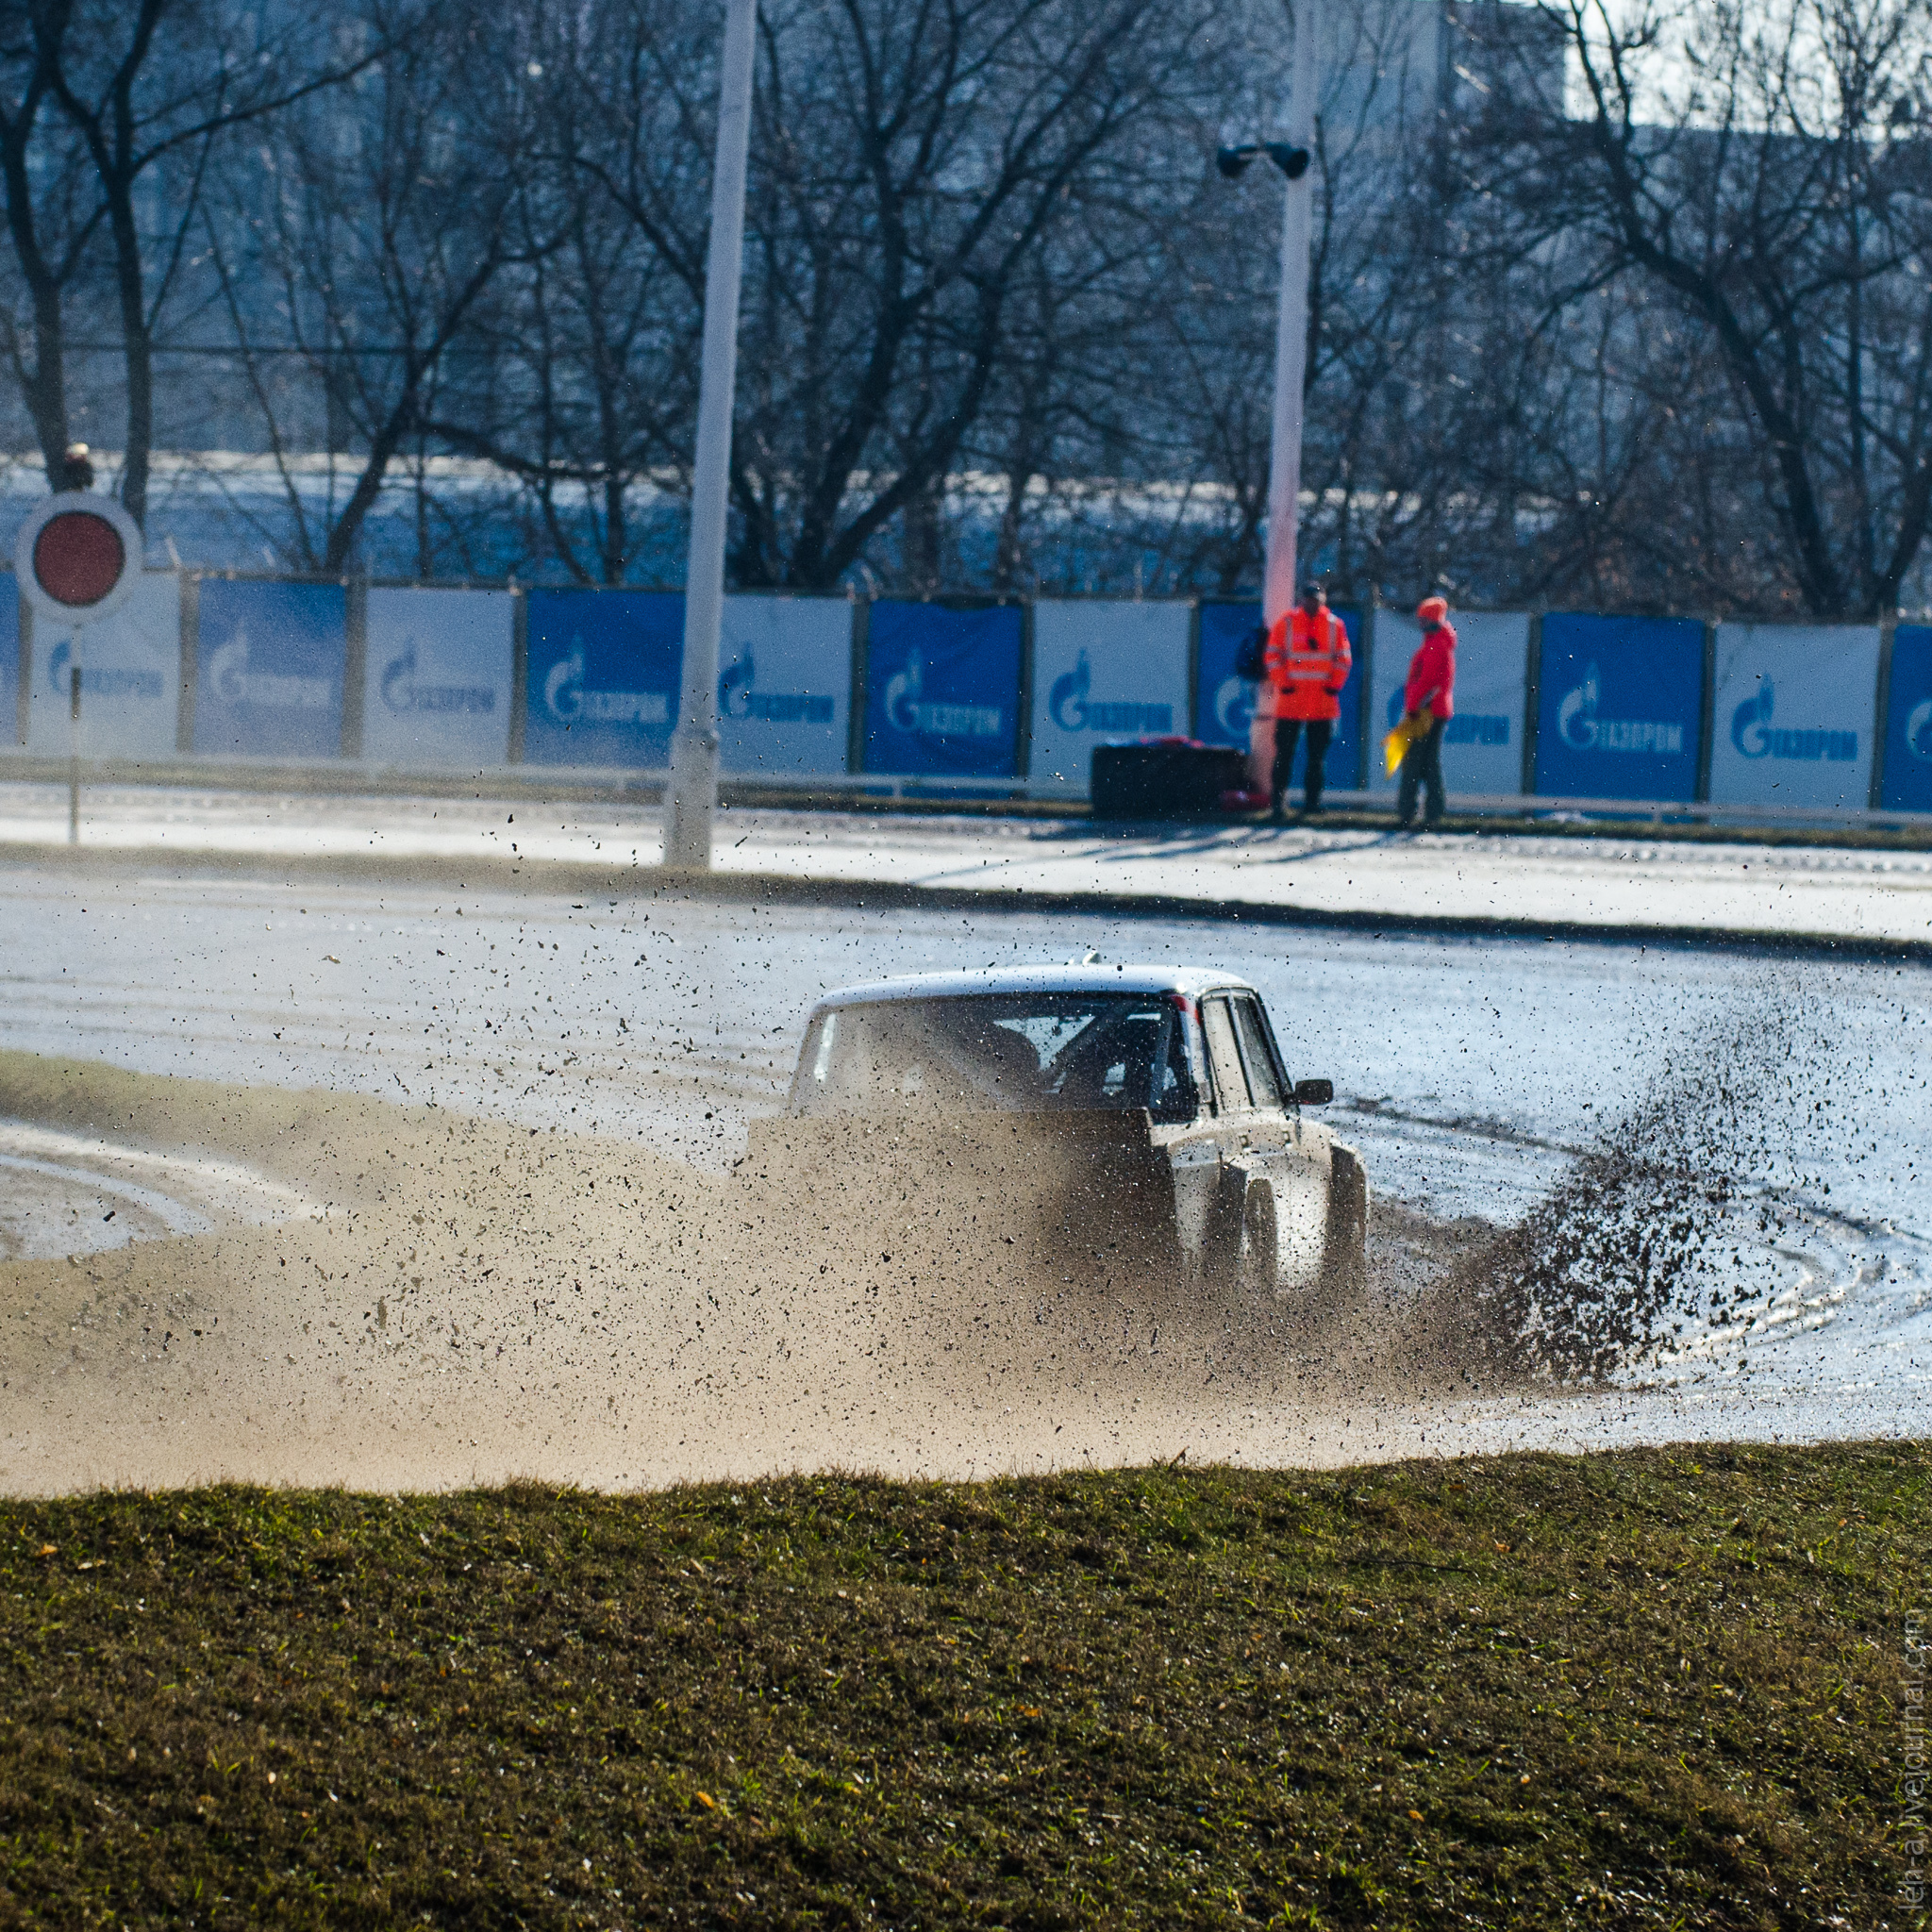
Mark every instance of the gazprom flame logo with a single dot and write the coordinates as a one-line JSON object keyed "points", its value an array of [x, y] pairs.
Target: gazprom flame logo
{"points": [[739, 698], [1581, 729], [1071, 705], [1750, 721], [567, 700], [402, 693], [1918, 730], [1068, 701], [907, 709], [1234, 708], [1754, 736], [235, 683]]}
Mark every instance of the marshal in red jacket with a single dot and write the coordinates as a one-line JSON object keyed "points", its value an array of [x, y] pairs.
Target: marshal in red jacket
{"points": [[1433, 670]]}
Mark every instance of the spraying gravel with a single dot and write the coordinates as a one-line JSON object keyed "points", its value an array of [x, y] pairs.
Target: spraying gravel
{"points": [[1621, 1195]]}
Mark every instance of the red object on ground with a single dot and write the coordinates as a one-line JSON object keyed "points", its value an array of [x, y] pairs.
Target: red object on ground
{"points": [[78, 557], [1433, 669]]}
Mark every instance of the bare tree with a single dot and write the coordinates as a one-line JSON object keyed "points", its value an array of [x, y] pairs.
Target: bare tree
{"points": [[910, 160], [389, 213], [148, 88], [597, 338], [1761, 171], [52, 218]]}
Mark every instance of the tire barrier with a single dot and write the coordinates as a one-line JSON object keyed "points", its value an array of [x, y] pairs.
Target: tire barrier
{"points": [[1574, 709]]}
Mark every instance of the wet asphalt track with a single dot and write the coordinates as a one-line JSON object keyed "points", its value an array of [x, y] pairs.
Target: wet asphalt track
{"points": [[1469, 1070]]}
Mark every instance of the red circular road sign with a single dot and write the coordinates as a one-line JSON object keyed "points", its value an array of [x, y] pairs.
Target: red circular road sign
{"points": [[78, 557]]}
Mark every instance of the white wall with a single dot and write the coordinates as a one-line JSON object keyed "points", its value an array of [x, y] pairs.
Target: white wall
{"points": [[1794, 714], [1482, 752], [130, 677], [1104, 670], [437, 677]]}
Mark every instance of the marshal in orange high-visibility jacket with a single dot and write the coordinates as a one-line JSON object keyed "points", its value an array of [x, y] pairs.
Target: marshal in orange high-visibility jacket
{"points": [[1309, 659]]}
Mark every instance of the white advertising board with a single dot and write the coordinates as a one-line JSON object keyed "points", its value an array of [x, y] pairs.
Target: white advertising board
{"points": [[130, 677], [1102, 671], [436, 674], [1482, 749], [1795, 705], [785, 685]]}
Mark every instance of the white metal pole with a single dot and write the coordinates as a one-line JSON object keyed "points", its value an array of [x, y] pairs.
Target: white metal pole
{"points": [[1292, 328], [694, 749], [73, 739]]}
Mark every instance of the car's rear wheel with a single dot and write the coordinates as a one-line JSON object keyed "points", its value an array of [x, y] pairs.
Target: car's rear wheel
{"points": [[1258, 1267], [1345, 1249]]}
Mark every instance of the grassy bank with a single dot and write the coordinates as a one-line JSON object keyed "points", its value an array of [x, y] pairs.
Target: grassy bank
{"points": [[1635, 1690]]}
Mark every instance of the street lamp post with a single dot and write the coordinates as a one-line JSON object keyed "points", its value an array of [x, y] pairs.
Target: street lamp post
{"points": [[693, 795], [1291, 319]]}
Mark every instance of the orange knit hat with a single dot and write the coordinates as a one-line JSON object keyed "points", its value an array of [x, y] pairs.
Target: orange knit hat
{"points": [[1433, 611]]}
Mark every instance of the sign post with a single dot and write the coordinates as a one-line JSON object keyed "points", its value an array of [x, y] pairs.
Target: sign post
{"points": [[77, 557]]}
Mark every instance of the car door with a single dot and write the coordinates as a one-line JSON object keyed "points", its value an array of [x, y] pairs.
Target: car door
{"points": [[1291, 1159], [1251, 1134], [1199, 1151]]}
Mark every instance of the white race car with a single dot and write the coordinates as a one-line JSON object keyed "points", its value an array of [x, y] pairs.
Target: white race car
{"points": [[1155, 1099]]}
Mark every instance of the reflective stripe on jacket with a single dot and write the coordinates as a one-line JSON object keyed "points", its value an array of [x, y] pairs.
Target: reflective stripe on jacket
{"points": [[1307, 663]]}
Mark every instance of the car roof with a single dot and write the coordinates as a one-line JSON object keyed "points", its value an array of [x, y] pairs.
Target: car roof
{"points": [[1097, 976]]}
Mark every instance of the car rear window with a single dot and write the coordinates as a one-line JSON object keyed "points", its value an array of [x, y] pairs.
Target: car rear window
{"points": [[1016, 1052]]}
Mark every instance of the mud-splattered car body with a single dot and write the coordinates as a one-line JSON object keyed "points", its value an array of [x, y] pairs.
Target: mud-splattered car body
{"points": [[1138, 1109]]}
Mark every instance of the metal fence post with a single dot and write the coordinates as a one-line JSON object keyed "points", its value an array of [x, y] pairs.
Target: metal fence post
{"points": [[1532, 700]]}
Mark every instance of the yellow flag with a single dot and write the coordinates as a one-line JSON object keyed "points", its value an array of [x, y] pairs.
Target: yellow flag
{"points": [[1395, 747]]}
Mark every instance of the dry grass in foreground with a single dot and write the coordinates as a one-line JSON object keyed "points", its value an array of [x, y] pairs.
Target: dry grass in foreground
{"points": [[1648, 1689]]}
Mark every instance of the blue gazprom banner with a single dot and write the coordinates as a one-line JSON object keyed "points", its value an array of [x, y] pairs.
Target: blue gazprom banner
{"points": [[605, 668], [1619, 706], [268, 665], [1907, 785], [436, 685], [1224, 704], [1104, 670], [1794, 706], [942, 690]]}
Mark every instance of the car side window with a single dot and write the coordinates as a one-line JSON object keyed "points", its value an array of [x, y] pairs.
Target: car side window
{"points": [[1263, 1082], [1223, 1057], [1172, 1098]]}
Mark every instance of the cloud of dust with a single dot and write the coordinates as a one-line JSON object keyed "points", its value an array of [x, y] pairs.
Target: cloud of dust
{"points": [[480, 1301]]}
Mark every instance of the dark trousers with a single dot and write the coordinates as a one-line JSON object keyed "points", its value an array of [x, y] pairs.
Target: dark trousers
{"points": [[1421, 766], [1286, 730]]}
